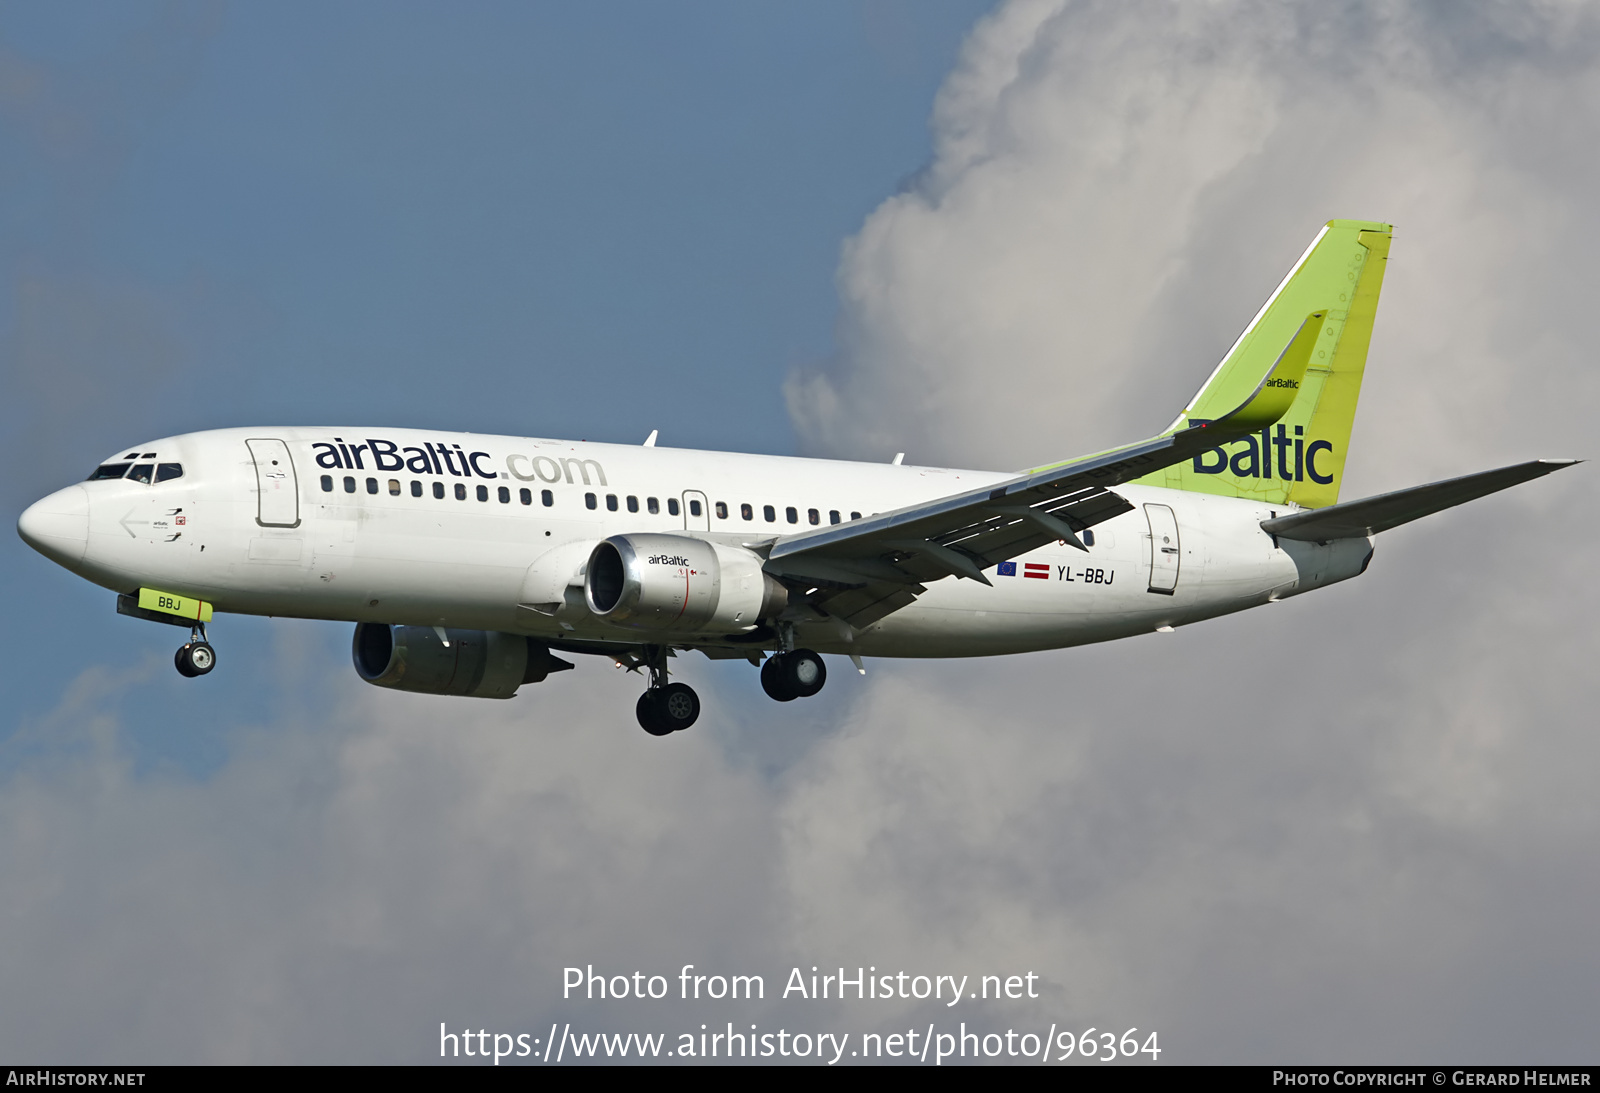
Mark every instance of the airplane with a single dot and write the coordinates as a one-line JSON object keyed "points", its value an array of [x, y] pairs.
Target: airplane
{"points": [[468, 562]]}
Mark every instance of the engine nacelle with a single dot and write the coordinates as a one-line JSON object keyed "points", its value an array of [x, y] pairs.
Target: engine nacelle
{"points": [[678, 582], [477, 663]]}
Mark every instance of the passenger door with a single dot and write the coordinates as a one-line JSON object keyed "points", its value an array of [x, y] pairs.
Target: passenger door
{"points": [[277, 488], [1164, 549]]}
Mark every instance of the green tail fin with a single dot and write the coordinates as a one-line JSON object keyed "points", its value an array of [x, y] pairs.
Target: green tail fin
{"points": [[1301, 458]]}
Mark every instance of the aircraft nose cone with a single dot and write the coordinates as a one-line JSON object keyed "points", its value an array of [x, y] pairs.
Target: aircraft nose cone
{"points": [[58, 525]]}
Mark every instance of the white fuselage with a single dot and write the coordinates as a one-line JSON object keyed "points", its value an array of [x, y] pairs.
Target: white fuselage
{"points": [[339, 532]]}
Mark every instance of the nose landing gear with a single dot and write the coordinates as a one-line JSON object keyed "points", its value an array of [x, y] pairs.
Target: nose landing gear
{"points": [[665, 708], [197, 657]]}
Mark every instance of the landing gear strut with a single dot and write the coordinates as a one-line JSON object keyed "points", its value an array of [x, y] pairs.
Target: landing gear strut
{"points": [[197, 657], [665, 708], [798, 673]]}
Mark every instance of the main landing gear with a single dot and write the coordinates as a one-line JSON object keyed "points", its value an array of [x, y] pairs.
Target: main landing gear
{"points": [[798, 673], [197, 657], [665, 708]]}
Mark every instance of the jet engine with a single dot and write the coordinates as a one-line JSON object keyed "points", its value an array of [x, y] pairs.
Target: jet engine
{"points": [[677, 582], [477, 663]]}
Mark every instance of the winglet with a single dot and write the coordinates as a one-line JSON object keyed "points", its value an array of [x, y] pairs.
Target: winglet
{"points": [[1196, 430], [1273, 395]]}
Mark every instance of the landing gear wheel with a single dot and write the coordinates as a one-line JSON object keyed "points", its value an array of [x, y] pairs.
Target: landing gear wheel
{"points": [[774, 680], [195, 659], [668, 709], [797, 674], [806, 672], [649, 716], [679, 705]]}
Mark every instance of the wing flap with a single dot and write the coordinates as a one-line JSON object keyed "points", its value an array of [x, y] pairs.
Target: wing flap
{"points": [[1017, 529], [861, 607]]}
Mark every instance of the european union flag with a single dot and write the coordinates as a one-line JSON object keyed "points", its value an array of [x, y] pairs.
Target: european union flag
{"points": [[1006, 569]]}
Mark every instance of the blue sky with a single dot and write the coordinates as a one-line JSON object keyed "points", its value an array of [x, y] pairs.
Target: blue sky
{"points": [[587, 221]]}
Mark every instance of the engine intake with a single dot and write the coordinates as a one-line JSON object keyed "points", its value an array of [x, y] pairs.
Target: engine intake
{"points": [[476, 663], [678, 582]]}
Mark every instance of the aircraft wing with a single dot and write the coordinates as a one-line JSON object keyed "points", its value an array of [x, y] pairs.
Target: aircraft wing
{"points": [[866, 569], [1370, 515]]}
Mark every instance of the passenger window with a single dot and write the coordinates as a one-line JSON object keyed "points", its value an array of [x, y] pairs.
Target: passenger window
{"points": [[722, 510], [416, 488], [394, 487], [770, 513], [372, 485], [438, 490], [633, 503], [653, 505], [611, 502], [109, 470], [166, 472], [792, 515], [461, 491], [327, 483], [694, 507], [349, 484], [483, 493], [549, 498], [814, 516], [1088, 537], [525, 495], [833, 516], [505, 495], [590, 501], [672, 506], [747, 512], [855, 516], [141, 473]]}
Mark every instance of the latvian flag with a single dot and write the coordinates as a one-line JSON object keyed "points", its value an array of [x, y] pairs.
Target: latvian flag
{"points": [[1036, 569]]}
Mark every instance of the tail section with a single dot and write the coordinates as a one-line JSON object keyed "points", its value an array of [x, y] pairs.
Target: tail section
{"points": [[1301, 458]]}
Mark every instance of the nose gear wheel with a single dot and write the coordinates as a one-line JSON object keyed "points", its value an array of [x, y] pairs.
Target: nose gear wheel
{"points": [[195, 659]]}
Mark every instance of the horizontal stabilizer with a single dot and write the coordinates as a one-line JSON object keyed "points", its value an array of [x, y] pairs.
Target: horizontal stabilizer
{"points": [[1358, 519]]}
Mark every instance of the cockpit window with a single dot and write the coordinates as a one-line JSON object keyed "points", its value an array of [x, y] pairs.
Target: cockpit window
{"points": [[166, 472], [141, 473], [109, 470]]}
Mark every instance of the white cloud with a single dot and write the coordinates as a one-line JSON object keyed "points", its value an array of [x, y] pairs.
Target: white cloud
{"points": [[1116, 188]]}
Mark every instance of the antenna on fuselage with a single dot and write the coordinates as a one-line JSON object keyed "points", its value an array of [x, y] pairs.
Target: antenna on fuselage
{"points": [[898, 456], [650, 441]]}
